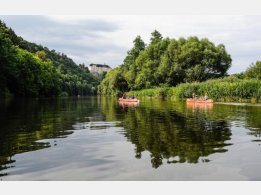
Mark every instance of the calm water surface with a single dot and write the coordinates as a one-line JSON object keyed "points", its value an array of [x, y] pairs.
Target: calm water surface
{"points": [[98, 139]]}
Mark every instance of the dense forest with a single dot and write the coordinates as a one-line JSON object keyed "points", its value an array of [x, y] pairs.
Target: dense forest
{"points": [[31, 70], [167, 62]]}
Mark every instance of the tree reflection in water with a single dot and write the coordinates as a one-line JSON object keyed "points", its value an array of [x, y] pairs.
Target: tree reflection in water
{"points": [[174, 133], [171, 132], [24, 121]]}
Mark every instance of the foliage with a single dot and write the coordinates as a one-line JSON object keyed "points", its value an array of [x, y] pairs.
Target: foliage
{"points": [[254, 71], [225, 89], [169, 62], [28, 69], [114, 83]]}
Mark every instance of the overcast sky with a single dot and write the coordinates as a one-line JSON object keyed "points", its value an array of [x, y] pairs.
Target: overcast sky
{"points": [[106, 39]]}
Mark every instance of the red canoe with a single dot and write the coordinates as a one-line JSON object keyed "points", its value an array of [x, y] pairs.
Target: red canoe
{"points": [[190, 100]]}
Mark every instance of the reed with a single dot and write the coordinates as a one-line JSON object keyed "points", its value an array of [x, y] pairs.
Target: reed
{"points": [[229, 89]]}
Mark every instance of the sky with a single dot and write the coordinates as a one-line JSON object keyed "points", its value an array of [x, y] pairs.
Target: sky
{"points": [[105, 39]]}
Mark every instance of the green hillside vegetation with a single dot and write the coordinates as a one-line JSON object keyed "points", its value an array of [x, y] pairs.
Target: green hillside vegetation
{"points": [[167, 62], [31, 70]]}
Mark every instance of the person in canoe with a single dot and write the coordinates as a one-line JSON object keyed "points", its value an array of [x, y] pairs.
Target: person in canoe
{"points": [[124, 96], [201, 99], [206, 96], [194, 96]]}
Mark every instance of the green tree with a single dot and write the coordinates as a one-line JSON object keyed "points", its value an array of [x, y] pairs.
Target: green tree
{"points": [[114, 83], [129, 68], [169, 62], [6, 61], [28, 69], [254, 71], [41, 55], [155, 37], [138, 46]]}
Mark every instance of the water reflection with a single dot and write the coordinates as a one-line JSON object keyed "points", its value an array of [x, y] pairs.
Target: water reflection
{"points": [[162, 132], [95, 125], [128, 104], [25, 121], [173, 132], [253, 123]]}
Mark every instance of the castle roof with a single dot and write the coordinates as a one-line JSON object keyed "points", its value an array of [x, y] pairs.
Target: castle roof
{"points": [[100, 65]]}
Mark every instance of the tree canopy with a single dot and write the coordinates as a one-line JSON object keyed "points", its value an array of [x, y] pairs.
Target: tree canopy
{"points": [[28, 69], [254, 71], [169, 62]]}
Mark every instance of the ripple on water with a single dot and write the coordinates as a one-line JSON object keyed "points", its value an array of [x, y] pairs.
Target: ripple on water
{"points": [[97, 125]]}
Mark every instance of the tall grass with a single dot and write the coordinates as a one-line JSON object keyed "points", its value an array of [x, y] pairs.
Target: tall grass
{"points": [[228, 89]]}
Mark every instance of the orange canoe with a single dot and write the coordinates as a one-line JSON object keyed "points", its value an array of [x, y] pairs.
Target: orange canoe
{"points": [[190, 100], [128, 104], [200, 106], [128, 100]]}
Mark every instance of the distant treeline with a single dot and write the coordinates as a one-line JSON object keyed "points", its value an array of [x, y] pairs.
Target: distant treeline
{"points": [[31, 70], [166, 62]]}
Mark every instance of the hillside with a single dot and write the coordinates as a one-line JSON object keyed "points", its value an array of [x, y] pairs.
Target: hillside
{"points": [[31, 70]]}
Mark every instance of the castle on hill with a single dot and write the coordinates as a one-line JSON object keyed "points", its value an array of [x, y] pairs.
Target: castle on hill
{"points": [[99, 69]]}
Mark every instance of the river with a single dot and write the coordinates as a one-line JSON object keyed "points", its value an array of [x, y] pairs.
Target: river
{"points": [[96, 138]]}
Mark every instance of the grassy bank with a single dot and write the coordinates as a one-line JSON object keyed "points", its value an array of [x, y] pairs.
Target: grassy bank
{"points": [[230, 89]]}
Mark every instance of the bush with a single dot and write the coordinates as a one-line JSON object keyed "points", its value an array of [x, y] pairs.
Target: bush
{"points": [[226, 89]]}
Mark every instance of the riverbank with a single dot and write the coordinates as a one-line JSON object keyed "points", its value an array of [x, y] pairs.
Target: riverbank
{"points": [[230, 89]]}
